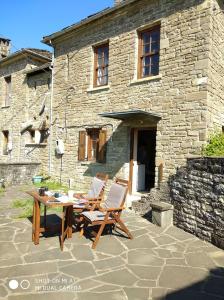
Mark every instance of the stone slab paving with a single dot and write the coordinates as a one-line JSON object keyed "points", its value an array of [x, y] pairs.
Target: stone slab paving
{"points": [[158, 264]]}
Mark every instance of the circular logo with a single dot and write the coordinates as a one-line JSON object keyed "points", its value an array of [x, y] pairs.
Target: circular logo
{"points": [[13, 284], [25, 284]]}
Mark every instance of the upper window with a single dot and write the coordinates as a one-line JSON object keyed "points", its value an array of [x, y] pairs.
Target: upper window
{"points": [[92, 145], [8, 87], [5, 134], [149, 46], [101, 63]]}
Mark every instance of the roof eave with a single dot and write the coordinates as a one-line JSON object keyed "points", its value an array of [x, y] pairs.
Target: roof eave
{"points": [[48, 39], [21, 52]]}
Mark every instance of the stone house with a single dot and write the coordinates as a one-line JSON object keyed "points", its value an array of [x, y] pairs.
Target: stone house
{"points": [[25, 79], [137, 89]]}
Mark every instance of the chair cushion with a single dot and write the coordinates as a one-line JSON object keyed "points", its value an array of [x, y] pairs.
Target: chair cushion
{"points": [[96, 187], [95, 215], [115, 196]]}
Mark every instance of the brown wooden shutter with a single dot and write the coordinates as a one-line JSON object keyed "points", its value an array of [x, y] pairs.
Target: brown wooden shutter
{"points": [[82, 145], [101, 157]]}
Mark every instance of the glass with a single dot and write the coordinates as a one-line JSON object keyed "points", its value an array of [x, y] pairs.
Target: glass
{"points": [[145, 71], [146, 61], [155, 64], [146, 37]]}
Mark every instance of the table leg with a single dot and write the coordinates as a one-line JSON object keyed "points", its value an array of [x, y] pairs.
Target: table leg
{"points": [[33, 221], [45, 216], [69, 221], [63, 228], [37, 222]]}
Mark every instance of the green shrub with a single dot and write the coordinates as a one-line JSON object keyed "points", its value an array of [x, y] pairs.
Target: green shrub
{"points": [[215, 147]]}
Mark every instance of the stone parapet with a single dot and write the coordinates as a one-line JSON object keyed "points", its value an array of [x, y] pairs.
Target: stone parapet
{"points": [[197, 194]]}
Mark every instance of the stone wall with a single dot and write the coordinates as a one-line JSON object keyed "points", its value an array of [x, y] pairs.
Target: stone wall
{"points": [[176, 94], [18, 173], [27, 96], [197, 193]]}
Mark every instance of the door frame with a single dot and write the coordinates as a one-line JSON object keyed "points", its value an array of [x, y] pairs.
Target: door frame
{"points": [[133, 133]]}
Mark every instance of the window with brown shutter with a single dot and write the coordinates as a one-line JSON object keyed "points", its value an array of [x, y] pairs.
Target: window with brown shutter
{"points": [[82, 145], [92, 145], [101, 63], [102, 146], [149, 49]]}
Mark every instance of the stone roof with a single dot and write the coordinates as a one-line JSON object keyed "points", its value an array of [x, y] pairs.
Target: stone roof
{"points": [[42, 52]]}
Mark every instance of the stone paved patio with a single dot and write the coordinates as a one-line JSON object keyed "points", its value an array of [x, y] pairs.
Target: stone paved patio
{"points": [[157, 264]]}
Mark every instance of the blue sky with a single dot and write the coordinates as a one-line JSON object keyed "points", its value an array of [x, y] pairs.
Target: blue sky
{"points": [[25, 22]]}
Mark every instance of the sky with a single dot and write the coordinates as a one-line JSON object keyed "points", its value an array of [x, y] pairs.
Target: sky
{"points": [[25, 22]]}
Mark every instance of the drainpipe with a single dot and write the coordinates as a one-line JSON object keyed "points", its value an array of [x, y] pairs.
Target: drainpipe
{"points": [[51, 112]]}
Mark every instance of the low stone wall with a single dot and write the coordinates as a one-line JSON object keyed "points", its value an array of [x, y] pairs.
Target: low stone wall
{"points": [[197, 194], [18, 173]]}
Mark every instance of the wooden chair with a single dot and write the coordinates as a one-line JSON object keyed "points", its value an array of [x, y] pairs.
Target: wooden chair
{"points": [[109, 212], [91, 200]]}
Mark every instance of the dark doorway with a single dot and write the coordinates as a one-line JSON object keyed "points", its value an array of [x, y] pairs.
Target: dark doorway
{"points": [[146, 154]]}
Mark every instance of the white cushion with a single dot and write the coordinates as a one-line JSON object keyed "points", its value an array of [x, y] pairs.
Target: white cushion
{"points": [[95, 215]]}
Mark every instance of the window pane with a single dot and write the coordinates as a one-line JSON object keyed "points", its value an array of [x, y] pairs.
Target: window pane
{"points": [[106, 57], [155, 36], [99, 61], [154, 47], [106, 71], [155, 64], [146, 38], [146, 60], [104, 80], [99, 52], [145, 71], [100, 72], [146, 48]]}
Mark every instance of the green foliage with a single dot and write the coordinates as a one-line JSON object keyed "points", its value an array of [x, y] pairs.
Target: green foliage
{"points": [[52, 185], [26, 206], [215, 147], [2, 190]]}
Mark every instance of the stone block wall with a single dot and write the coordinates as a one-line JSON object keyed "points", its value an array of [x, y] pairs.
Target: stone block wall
{"points": [[197, 193], [175, 94], [27, 96], [18, 173]]}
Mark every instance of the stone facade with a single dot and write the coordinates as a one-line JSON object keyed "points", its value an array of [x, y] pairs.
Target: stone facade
{"points": [[197, 194], [186, 93], [18, 173], [27, 93]]}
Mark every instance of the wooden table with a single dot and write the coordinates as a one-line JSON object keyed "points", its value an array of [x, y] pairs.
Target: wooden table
{"points": [[67, 217]]}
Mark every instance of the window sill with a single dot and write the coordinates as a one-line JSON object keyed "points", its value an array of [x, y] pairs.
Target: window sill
{"points": [[98, 88], [35, 145], [146, 79], [7, 106]]}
